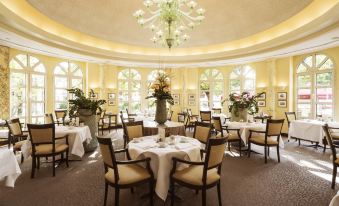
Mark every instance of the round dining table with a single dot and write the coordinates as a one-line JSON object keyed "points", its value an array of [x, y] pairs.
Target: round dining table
{"points": [[161, 156], [9, 167]]}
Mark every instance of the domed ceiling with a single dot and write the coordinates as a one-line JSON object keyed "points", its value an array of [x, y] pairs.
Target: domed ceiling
{"points": [[226, 20]]}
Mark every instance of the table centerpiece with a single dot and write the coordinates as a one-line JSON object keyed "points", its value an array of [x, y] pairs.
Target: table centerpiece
{"points": [[161, 93]]}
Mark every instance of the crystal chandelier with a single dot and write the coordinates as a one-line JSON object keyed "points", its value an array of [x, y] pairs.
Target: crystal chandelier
{"points": [[170, 19]]}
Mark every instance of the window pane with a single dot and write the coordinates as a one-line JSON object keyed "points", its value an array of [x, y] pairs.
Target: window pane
{"points": [[123, 106], [123, 85], [39, 68], [301, 68], [38, 109], [217, 95], [235, 85], [77, 73], [304, 81], [61, 105], [204, 96], [304, 95], [61, 82], [59, 70], [324, 95], [135, 96], [135, 107], [17, 80], [319, 58], [324, 79], [135, 85], [61, 95], [304, 110], [38, 80], [134, 74], [204, 86], [33, 61], [204, 106], [325, 110], [308, 61], [13, 64], [327, 65], [249, 84], [217, 105], [77, 83], [123, 96], [38, 95], [22, 58], [218, 86]]}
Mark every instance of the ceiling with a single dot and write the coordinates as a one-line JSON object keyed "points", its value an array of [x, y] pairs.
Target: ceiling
{"points": [[234, 31], [226, 20]]}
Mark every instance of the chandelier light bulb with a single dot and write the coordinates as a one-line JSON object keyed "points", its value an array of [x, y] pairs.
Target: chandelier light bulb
{"points": [[148, 3], [192, 4], [200, 11], [159, 34], [191, 25]]}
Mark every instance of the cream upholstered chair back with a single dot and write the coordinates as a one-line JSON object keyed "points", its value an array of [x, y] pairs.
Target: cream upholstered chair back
{"points": [[49, 119], [107, 151], [42, 133], [206, 115], [217, 124], [134, 129], [215, 152], [290, 116], [14, 127], [216, 110], [202, 131], [274, 127], [181, 117], [60, 114]]}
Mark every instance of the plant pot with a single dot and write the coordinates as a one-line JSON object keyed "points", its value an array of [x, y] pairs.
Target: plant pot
{"points": [[161, 112], [239, 116], [89, 119]]}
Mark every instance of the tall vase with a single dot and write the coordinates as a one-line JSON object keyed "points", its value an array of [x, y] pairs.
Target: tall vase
{"points": [[88, 118], [239, 116], [161, 112]]}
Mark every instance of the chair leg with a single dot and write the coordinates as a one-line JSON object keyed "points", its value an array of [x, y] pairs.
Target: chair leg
{"points": [[334, 175], [38, 163], [151, 192], [67, 158], [249, 149], [22, 158], [117, 196], [33, 166], [229, 146], [268, 151], [106, 190], [324, 147], [219, 194], [265, 155], [172, 192], [299, 142], [278, 153], [203, 197], [53, 165], [132, 190], [240, 148]]}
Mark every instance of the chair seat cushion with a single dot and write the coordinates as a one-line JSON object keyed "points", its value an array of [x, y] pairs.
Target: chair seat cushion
{"points": [[260, 139], [128, 174], [17, 145], [230, 136], [193, 175], [335, 135], [47, 148]]}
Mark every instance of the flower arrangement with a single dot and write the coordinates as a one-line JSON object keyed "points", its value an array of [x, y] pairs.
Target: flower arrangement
{"points": [[161, 88], [244, 100]]}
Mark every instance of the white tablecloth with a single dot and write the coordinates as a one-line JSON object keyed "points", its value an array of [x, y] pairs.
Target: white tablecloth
{"points": [[76, 136], [161, 158], [174, 128], [9, 167], [309, 130], [245, 128]]}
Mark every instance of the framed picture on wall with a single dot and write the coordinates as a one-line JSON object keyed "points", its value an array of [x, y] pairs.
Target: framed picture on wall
{"points": [[262, 97], [176, 102], [191, 97], [111, 95], [282, 95], [93, 96], [282, 103], [261, 103], [176, 96], [111, 102], [191, 103]]}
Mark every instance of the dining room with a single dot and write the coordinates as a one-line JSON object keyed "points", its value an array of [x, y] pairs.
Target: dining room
{"points": [[169, 102]]}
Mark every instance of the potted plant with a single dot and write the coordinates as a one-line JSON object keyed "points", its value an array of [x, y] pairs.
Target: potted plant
{"points": [[162, 94], [86, 109], [242, 104]]}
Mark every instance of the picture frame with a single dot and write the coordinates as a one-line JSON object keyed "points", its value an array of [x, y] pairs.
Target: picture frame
{"points": [[262, 96], [191, 97], [111, 102], [261, 103], [282, 95], [282, 103], [176, 102], [93, 96], [111, 95], [191, 103], [176, 96]]}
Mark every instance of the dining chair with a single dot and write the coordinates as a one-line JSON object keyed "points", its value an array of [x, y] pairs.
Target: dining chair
{"points": [[181, 117], [60, 116], [169, 115], [200, 175], [202, 132], [126, 119], [206, 116], [130, 115], [335, 159], [43, 141], [291, 116], [334, 131], [49, 119], [16, 136], [216, 110], [266, 138], [191, 119], [233, 135], [104, 122], [124, 174], [134, 130]]}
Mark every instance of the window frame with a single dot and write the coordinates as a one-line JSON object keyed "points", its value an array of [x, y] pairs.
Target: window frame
{"points": [[241, 77], [212, 82]]}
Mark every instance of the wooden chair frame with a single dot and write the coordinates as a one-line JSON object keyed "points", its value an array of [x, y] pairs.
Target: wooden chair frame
{"points": [[191, 119], [63, 117], [204, 187], [115, 163], [267, 146], [36, 157], [12, 139], [202, 113], [329, 139]]}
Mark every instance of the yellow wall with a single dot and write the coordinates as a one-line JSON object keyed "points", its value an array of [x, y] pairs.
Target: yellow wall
{"points": [[272, 76]]}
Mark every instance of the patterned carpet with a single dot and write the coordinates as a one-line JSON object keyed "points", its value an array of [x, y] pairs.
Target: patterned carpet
{"points": [[302, 178]]}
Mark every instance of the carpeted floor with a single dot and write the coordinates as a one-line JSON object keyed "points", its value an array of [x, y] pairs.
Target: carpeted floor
{"points": [[302, 178]]}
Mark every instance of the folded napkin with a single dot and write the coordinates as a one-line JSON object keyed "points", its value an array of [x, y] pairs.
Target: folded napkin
{"points": [[181, 146]]}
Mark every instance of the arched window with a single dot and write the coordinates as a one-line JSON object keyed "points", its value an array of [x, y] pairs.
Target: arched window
{"points": [[242, 79], [129, 85], [314, 78], [151, 78], [27, 88], [211, 89], [67, 75]]}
